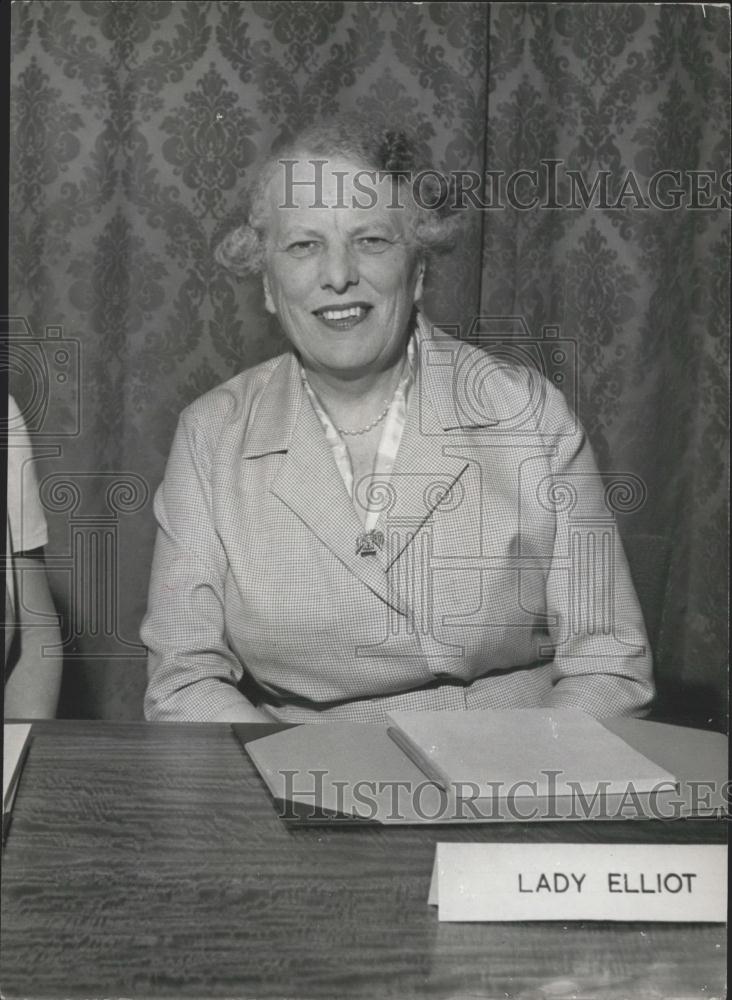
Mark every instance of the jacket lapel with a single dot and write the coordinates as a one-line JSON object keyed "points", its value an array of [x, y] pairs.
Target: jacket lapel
{"points": [[308, 481], [420, 479], [425, 471]]}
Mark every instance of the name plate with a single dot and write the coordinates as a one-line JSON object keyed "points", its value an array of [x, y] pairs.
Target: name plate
{"points": [[651, 882]]}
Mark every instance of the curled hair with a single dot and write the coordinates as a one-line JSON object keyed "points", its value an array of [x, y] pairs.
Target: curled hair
{"points": [[363, 139]]}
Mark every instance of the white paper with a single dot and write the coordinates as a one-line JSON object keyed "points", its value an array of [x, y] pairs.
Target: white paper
{"points": [[15, 735], [648, 882]]}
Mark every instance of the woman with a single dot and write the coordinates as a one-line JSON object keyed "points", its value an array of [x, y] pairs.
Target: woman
{"points": [[349, 528]]}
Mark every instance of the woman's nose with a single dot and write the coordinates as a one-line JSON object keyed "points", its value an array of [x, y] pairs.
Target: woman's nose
{"points": [[338, 268]]}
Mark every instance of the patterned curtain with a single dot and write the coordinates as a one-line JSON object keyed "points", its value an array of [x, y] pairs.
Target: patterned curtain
{"points": [[134, 125], [641, 292]]}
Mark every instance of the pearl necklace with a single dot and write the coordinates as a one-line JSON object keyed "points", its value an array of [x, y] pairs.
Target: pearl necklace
{"points": [[368, 427]]}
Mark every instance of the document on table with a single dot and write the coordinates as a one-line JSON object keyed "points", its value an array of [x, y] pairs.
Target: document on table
{"points": [[522, 765], [16, 739], [531, 751]]}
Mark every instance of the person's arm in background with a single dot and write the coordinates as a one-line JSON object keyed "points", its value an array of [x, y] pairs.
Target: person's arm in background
{"points": [[32, 689], [192, 672], [33, 661], [602, 659]]}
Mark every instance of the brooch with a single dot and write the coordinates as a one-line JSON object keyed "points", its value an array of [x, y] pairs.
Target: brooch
{"points": [[369, 543]]}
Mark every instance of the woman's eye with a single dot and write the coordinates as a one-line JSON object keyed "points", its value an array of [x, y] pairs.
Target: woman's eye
{"points": [[302, 248], [373, 244]]}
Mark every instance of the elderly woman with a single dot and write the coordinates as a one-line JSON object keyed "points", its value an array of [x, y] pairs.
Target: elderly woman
{"points": [[379, 518]]}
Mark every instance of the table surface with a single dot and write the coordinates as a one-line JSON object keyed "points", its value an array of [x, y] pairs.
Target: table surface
{"points": [[147, 860]]}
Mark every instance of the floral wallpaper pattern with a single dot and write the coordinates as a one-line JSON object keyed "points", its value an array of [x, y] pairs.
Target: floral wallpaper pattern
{"points": [[133, 126], [642, 291]]}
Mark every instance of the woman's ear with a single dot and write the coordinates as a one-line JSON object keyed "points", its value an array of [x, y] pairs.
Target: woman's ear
{"points": [[268, 300]]}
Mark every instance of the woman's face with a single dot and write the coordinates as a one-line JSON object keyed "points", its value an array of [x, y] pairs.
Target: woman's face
{"points": [[342, 279]]}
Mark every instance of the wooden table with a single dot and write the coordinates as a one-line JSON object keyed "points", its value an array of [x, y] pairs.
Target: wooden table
{"points": [[147, 860]]}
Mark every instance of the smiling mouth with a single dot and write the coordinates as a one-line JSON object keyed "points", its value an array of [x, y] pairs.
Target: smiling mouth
{"points": [[343, 317]]}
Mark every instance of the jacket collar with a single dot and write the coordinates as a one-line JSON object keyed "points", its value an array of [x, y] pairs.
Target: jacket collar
{"points": [[451, 372], [448, 371], [273, 423]]}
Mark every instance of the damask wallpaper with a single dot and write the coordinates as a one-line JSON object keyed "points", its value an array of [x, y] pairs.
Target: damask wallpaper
{"points": [[133, 126], [634, 90]]}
